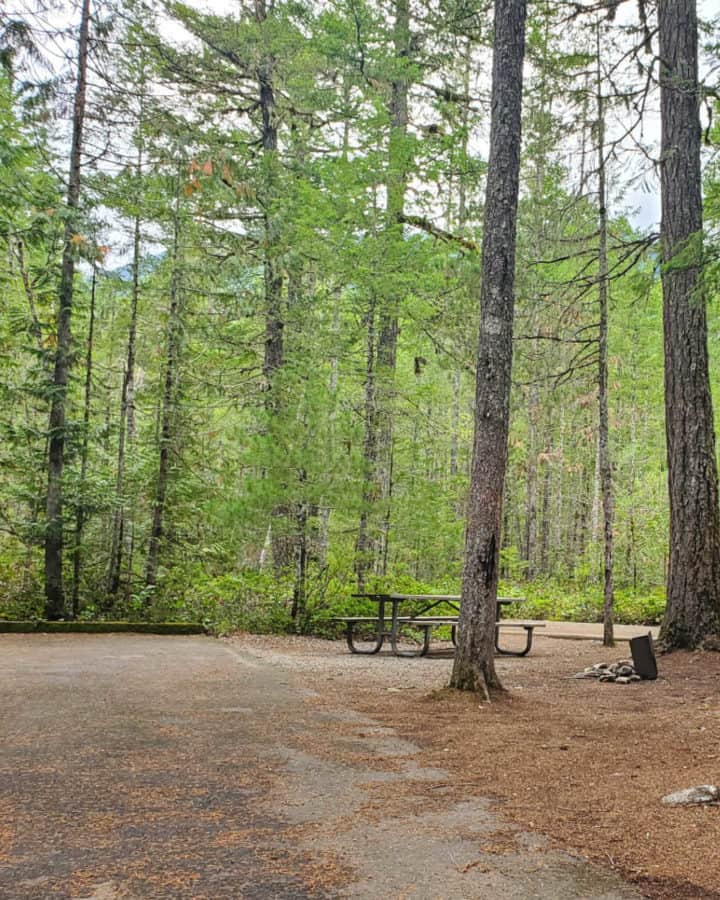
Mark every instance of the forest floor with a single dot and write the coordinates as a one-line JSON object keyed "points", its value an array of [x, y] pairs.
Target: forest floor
{"points": [[583, 763], [261, 767]]}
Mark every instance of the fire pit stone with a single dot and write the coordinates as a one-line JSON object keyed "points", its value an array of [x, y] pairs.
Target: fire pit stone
{"points": [[622, 672]]}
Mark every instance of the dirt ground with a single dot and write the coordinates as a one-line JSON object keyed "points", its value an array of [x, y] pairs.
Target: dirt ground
{"points": [[582, 762], [188, 768]]}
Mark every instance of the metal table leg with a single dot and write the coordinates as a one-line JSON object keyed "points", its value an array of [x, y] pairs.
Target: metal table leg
{"points": [[379, 640], [528, 642], [421, 652]]}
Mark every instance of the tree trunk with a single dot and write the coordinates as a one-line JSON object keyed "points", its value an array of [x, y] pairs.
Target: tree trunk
{"points": [[540, 144], [461, 219], [364, 543], [560, 524], [632, 559], [474, 668], [584, 503], [54, 590], [299, 601], [301, 508], [604, 458], [371, 541], [126, 418], [545, 521], [571, 543], [530, 541], [596, 492], [266, 548], [455, 424], [80, 511], [386, 360], [274, 356], [127, 395], [323, 542], [505, 530], [693, 589], [167, 414]]}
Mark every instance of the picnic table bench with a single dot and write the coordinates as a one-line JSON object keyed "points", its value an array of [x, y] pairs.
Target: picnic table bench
{"points": [[390, 624]]}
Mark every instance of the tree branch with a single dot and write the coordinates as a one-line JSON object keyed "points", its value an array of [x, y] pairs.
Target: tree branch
{"points": [[426, 225]]}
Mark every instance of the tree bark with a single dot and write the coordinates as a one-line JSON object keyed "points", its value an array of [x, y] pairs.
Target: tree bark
{"points": [[84, 451], [455, 424], [632, 557], [323, 542], [299, 601], [54, 589], [530, 542], [375, 542], [545, 522], [167, 415], [474, 668], [386, 363], [126, 416], [461, 220], [596, 489], [389, 322], [604, 457], [692, 614], [274, 355], [540, 146], [560, 522], [364, 543]]}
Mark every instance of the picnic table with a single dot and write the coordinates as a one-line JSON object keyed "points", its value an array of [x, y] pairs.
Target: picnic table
{"points": [[389, 621]]}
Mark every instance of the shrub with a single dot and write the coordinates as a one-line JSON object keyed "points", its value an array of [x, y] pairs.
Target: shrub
{"points": [[551, 600], [243, 601]]}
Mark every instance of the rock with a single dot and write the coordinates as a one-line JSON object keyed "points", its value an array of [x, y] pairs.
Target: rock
{"points": [[702, 793], [622, 671]]}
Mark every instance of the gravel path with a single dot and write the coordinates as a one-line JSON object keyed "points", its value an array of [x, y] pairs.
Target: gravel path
{"points": [[154, 767]]}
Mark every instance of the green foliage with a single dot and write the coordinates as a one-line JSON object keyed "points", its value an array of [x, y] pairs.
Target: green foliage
{"points": [[261, 460], [21, 596], [250, 601], [574, 603]]}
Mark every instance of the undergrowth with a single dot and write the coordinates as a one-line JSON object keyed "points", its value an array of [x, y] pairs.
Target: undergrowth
{"points": [[260, 602]]}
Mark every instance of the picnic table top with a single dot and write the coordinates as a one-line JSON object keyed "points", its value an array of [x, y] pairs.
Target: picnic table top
{"points": [[377, 596]]}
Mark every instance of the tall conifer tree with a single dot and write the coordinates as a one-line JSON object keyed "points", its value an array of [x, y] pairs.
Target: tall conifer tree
{"points": [[474, 668], [693, 590]]}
